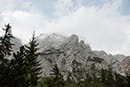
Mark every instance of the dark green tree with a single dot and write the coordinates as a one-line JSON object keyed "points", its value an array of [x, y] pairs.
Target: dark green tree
{"points": [[128, 79], [107, 77], [33, 64], [57, 77], [18, 69], [5, 52], [120, 81], [5, 42]]}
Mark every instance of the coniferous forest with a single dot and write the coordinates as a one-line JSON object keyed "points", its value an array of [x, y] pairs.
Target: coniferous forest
{"points": [[23, 69]]}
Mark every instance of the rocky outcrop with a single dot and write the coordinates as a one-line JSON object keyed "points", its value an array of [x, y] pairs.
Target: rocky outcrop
{"points": [[74, 56], [125, 65]]}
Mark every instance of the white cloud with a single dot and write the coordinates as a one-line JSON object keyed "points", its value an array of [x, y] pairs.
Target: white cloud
{"points": [[6, 5], [102, 27], [24, 23]]}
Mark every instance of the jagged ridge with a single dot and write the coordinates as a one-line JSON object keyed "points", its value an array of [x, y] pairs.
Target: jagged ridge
{"points": [[72, 54]]}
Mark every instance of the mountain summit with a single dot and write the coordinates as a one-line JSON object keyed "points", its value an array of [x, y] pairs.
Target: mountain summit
{"points": [[76, 57]]}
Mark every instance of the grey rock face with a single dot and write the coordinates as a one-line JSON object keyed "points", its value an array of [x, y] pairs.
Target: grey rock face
{"points": [[125, 65], [72, 56], [75, 57]]}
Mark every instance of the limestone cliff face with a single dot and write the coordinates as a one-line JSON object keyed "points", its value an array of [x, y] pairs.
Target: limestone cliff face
{"points": [[75, 56], [125, 65]]}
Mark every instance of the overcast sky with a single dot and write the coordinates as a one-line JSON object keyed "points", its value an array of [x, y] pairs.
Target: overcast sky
{"points": [[104, 24]]}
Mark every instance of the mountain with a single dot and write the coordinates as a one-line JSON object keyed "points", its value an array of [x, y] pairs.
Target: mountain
{"points": [[75, 57]]}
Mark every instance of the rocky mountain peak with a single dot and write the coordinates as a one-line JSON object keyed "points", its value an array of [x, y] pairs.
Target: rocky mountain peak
{"points": [[74, 38], [74, 55]]}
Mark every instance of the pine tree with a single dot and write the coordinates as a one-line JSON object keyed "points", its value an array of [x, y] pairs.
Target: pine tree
{"points": [[5, 51], [110, 78], [128, 79], [18, 69], [34, 69], [120, 80], [58, 80]]}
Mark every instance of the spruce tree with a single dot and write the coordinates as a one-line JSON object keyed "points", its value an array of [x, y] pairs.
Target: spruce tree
{"points": [[58, 80], [120, 80], [5, 51], [5, 42], [33, 64], [19, 69], [128, 79]]}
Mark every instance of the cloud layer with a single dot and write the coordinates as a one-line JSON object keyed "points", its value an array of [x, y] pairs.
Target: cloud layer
{"points": [[100, 25]]}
